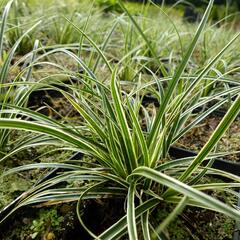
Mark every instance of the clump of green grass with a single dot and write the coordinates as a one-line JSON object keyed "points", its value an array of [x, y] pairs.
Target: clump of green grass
{"points": [[130, 162]]}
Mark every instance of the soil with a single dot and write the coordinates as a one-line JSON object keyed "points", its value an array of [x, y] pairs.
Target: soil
{"points": [[196, 224], [52, 104], [61, 222], [196, 138]]}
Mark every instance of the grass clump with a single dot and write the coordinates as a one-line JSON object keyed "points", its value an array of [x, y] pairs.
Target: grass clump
{"points": [[129, 161]]}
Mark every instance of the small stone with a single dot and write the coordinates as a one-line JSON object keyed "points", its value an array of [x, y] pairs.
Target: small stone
{"points": [[50, 236], [26, 221]]}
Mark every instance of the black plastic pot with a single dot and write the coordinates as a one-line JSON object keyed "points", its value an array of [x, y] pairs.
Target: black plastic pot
{"points": [[221, 164]]}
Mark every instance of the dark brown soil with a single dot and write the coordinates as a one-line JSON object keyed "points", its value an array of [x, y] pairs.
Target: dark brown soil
{"points": [[197, 137]]}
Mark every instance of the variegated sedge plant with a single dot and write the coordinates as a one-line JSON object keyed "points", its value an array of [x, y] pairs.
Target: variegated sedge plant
{"points": [[131, 162], [17, 95]]}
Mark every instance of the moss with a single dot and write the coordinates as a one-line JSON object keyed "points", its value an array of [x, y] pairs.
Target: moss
{"points": [[38, 224], [47, 222], [176, 230], [210, 225], [195, 223], [11, 186]]}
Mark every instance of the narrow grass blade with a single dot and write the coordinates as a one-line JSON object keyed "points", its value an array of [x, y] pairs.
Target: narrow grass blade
{"points": [[164, 71], [93, 44], [119, 228], [123, 124], [176, 78], [145, 226], [49, 130], [213, 140], [172, 216], [131, 221], [3, 25], [95, 124], [139, 134], [180, 187]]}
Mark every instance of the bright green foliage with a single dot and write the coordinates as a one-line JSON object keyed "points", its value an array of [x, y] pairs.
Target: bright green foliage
{"points": [[48, 220]]}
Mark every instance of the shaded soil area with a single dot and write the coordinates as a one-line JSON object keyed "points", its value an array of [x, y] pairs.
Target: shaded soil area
{"points": [[51, 103], [61, 222]]}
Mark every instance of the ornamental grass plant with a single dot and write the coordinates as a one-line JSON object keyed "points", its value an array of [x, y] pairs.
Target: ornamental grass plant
{"points": [[128, 145]]}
